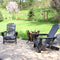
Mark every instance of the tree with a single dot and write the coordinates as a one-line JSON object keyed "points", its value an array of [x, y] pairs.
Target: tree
{"points": [[12, 7], [55, 4], [1, 2]]}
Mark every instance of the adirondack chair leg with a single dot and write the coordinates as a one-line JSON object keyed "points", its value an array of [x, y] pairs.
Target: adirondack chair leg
{"points": [[15, 41], [51, 43], [34, 45], [40, 46], [39, 49], [3, 41]]}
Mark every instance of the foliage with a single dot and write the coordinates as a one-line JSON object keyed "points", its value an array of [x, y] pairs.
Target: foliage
{"points": [[31, 2], [26, 5], [4, 4], [38, 14], [55, 4], [1, 17], [31, 15], [57, 17]]}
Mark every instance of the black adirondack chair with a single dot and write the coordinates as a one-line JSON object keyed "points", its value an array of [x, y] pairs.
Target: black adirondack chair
{"points": [[10, 35], [49, 39]]}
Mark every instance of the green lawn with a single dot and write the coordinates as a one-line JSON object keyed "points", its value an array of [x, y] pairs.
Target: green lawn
{"points": [[23, 26]]}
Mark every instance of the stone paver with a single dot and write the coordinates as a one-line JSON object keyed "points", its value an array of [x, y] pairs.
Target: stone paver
{"points": [[23, 51]]}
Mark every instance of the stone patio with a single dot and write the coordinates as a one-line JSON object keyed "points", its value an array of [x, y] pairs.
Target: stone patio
{"points": [[25, 51]]}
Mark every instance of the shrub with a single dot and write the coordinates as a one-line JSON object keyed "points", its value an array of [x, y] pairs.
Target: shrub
{"points": [[31, 15], [1, 17]]}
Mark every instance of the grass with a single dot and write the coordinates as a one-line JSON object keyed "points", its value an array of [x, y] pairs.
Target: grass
{"points": [[23, 26]]}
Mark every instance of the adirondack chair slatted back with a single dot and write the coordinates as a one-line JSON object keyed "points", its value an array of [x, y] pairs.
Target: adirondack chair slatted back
{"points": [[53, 30], [11, 29]]}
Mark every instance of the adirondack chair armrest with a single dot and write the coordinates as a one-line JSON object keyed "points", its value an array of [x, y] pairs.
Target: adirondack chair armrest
{"points": [[2, 33], [16, 33], [37, 34], [46, 37], [41, 34]]}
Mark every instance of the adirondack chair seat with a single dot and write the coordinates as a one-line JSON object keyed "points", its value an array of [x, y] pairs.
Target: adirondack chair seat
{"points": [[9, 37], [48, 41]]}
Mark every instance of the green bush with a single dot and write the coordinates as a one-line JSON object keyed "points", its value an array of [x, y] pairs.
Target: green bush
{"points": [[31, 15], [38, 14], [1, 17]]}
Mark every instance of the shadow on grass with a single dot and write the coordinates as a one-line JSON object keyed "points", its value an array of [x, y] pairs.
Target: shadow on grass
{"points": [[51, 20], [40, 22]]}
